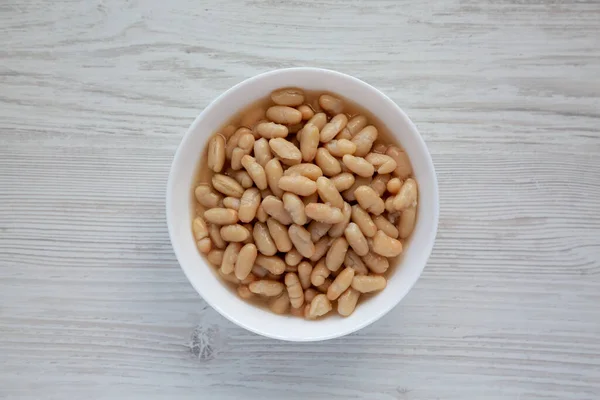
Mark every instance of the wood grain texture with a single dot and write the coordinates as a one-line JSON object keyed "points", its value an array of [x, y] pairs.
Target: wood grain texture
{"points": [[96, 95]]}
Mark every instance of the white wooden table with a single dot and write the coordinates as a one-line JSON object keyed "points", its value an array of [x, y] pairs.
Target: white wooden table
{"points": [[95, 96]]}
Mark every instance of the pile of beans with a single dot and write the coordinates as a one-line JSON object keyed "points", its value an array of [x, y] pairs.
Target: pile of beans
{"points": [[306, 205]]}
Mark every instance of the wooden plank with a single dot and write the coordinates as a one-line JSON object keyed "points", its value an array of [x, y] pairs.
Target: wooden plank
{"points": [[95, 97]]}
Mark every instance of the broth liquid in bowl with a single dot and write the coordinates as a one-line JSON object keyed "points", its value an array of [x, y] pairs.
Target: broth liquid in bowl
{"points": [[289, 203]]}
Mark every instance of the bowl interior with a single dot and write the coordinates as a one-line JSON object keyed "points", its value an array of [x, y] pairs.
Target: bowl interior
{"points": [[180, 210]]}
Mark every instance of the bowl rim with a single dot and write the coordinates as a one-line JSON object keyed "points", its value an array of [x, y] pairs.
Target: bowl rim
{"points": [[216, 103]]}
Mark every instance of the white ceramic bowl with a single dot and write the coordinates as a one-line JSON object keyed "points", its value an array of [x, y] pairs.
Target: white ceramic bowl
{"points": [[180, 208]]}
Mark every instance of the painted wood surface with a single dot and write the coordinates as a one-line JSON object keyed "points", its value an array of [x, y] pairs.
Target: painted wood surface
{"points": [[95, 96]]}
